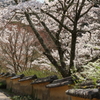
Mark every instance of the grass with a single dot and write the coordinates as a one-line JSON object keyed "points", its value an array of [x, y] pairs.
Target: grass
{"points": [[40, 73]]}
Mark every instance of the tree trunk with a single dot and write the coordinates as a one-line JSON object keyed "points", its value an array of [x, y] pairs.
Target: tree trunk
{"points": [[61, 69], [73, 47]]}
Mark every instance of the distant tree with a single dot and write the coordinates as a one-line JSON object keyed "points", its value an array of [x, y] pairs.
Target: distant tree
{"points": [[18, 49]]}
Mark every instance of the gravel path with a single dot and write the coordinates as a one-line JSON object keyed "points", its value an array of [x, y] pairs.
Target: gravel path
{"points": [[3, 96]]}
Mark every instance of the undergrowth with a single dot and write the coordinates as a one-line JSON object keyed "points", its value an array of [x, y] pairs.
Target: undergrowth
{"points": [[14, 96], [40, 73], [23, 98]]}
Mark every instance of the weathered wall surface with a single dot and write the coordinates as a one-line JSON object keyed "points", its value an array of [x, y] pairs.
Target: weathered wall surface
{"points": [[26, 87]]}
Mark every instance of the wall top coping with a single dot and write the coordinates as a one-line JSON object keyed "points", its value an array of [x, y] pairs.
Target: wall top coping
{"points": [[5, 74], [89, 82], [90, 86], [11, 75], [18, 76], [61, 82], [46, 79], [2, 73], [84, 93], [28, 78]]}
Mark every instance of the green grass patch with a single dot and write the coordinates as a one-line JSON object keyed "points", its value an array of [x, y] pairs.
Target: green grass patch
{"points": [[40, 73]]}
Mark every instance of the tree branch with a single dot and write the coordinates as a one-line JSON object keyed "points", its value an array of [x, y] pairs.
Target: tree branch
{"points": [[57, 20]]}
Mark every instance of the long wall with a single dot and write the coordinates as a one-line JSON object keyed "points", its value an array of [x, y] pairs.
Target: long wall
{"points": [[48, 88]]}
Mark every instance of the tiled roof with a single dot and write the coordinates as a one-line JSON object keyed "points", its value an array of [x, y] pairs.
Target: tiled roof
{"points": [[86, 83], [28, 78], [5, 74], [11, 75], [1, 73], [18, 76], [46, 79], [84, 93], [89, 84], [60, 82]]}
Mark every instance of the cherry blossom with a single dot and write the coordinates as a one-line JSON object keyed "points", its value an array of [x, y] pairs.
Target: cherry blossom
{"points": [[50, 16]]}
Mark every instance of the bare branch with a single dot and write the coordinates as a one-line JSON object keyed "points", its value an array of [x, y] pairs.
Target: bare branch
{"points": [[57, 21]]}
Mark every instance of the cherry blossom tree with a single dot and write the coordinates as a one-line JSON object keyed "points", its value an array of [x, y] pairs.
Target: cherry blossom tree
{"points": [[73, 26]]}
